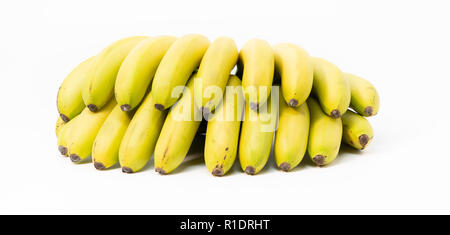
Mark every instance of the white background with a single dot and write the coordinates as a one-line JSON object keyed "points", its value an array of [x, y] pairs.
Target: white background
{"points": [[402, 47]]}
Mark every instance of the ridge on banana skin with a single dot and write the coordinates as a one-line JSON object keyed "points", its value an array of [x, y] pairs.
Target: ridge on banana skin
{"points": [[331, 88], [213, 73], [138, 69], [140, 138], [291, 138], [176, 67], [222, 134], [295, 68], [69, 101], [325, 135], [98, 87], [365, 99], [105, 151], [84, 131], [256, 63], [178, 132], [257, 136], [358, 132]]}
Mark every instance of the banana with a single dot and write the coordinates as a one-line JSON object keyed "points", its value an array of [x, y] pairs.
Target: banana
{"points": [[84, 131], [69, 101], [177, 65], [138, 69], [358, 132], [257, 136], [64, 134], [105, 151], [325, 135], [213, 73], [59, 125], [98, 87], [178, 132], [222, 133], [257, 60], [140, 138], [291, 138], [296, 71], [365, 99], [331, 88]]}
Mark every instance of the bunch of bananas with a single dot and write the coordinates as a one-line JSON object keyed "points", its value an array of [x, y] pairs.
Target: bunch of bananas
{"points": [[144, 96]]}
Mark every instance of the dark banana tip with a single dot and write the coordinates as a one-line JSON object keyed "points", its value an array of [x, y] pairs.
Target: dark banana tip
{"points": [[368, 111], [64, 117], [363, 140], [285, 166], [160, 171], [217, 172], [125, 107], [159, 107], [250, 170], [62, 150], [293, 103], [319, 160], [99, 166], [75, 158], [253, 106], [127, 170], [92, 107], [335, 114]]}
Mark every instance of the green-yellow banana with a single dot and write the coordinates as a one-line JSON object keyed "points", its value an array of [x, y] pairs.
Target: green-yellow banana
{"points": [[140, 138], [177, 65], [178, 132], [98, 87], [84, 131], [365, 99], [222, 134], [70, 102], [358, 132], [325, 135], [296, 71], [213, 73], [138, 69], [331, 88], [105, 151], [291, 138], [257, 137], [257, 59]]}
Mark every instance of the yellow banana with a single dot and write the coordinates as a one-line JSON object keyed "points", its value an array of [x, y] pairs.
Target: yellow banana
{"points": [[140, 138], [257, 60], [365, 99], [257, 136], [84, 131], [357, 130], [222, 134], [64, 135], [295, 68], [105, 151], [177, 65], [98, 87], [138, 69], [178, 132], [291, 138], [325, 135], [331, 88], [70, 102], [213, 73], [59, 124]]}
